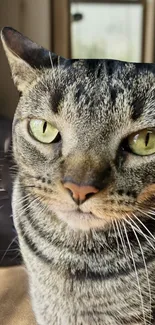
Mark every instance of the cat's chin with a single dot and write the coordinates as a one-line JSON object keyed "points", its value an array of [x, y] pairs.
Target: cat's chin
{"points": [[82, 220]]}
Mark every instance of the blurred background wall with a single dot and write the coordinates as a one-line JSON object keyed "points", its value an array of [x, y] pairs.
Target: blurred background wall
{"points": [[39, 20], [120, 29]]}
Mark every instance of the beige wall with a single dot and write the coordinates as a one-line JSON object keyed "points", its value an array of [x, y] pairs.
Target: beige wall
{"points": [[36, 21], [61, 27], [8, 96], [31, 17]]}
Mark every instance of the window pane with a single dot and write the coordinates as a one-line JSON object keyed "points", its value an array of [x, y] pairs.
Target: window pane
{"points": [[107, 31]]}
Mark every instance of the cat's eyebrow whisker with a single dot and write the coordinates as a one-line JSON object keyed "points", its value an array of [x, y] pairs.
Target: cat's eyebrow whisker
{"points": [[136, 273], [146, 270], [52, 65], [59, 69]]}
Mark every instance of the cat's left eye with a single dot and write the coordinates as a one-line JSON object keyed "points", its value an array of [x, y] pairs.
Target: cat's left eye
{"points": [[43, 131], [143, 142]]}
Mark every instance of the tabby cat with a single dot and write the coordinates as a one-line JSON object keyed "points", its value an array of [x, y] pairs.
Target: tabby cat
{"points": [[83, 199]]}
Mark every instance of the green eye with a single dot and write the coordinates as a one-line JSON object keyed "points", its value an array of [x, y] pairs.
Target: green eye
{"points": [[43, 131], [143, 142]]}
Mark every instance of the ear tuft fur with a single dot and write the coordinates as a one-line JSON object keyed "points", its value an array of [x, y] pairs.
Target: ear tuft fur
{"points": [[25, 57]]}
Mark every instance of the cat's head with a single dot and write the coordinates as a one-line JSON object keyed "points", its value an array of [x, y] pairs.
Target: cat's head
{"points": [[83, 134]]}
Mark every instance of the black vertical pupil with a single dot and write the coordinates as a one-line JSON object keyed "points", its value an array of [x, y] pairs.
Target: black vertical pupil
{"points": [[147, 139], [44, 127]]}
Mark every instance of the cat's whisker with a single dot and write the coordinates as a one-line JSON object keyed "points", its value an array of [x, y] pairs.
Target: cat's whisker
{"points": [[31, 202], [139, 230], [147, 214], [59, 70], [145, 266], [124, 244], [13, 240], [136, 273], [32, 223], [50, 56], [150, 214], [10, 250], [21, 199], [120, 236], [16, 256], [23, 204], [26, 207], [52, 66], [116, 236], [143, 225], [142, 211]]}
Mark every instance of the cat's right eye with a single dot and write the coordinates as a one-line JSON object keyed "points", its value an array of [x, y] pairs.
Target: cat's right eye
{"points": [[43, 131]]}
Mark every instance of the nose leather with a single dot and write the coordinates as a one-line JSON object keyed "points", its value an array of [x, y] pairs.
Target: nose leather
{"points": [[80, 193]]}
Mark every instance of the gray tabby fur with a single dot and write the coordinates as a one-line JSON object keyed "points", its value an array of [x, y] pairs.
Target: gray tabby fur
{"points": [[94, 263]]}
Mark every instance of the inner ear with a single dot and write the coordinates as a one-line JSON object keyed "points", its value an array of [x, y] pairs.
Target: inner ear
{"points": [[32, 53]]}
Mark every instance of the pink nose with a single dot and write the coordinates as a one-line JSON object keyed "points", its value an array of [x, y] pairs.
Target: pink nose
{"points": [[80, 193]]}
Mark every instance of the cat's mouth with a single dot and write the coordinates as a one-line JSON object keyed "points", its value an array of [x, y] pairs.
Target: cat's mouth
{"points": [[81, 215], [86, 220], [92, 214], [77, 219]]}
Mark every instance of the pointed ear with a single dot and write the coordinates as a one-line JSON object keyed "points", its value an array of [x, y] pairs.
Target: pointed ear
{"points": [[26, 58]]}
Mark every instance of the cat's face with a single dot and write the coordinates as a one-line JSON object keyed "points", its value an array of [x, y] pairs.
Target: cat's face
{"points": [[78, 136]]}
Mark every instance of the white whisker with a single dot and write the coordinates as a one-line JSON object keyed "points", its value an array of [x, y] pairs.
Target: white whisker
{"points": [[116, 236], [136, 227], [146, 270], [144, 226], [7, 250], [136, 273]]}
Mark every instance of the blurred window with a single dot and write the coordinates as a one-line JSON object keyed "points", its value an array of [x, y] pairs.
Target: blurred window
{"points": [[108, 29]]}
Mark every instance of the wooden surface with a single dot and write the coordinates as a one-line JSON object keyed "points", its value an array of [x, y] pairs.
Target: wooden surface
{"points": [[15, 307], [33, 19]]}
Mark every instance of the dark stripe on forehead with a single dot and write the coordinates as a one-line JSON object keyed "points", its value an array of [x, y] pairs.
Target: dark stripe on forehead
{"points": [[113, 93], [137, 108], [92, 64], [110, 66], [55, 99]]}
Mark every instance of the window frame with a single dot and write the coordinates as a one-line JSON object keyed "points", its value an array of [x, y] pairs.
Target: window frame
{"points": [[111, 1]]}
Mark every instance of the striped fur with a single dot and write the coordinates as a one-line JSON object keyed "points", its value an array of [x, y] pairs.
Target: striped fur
{"points": [[96, 265]]}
